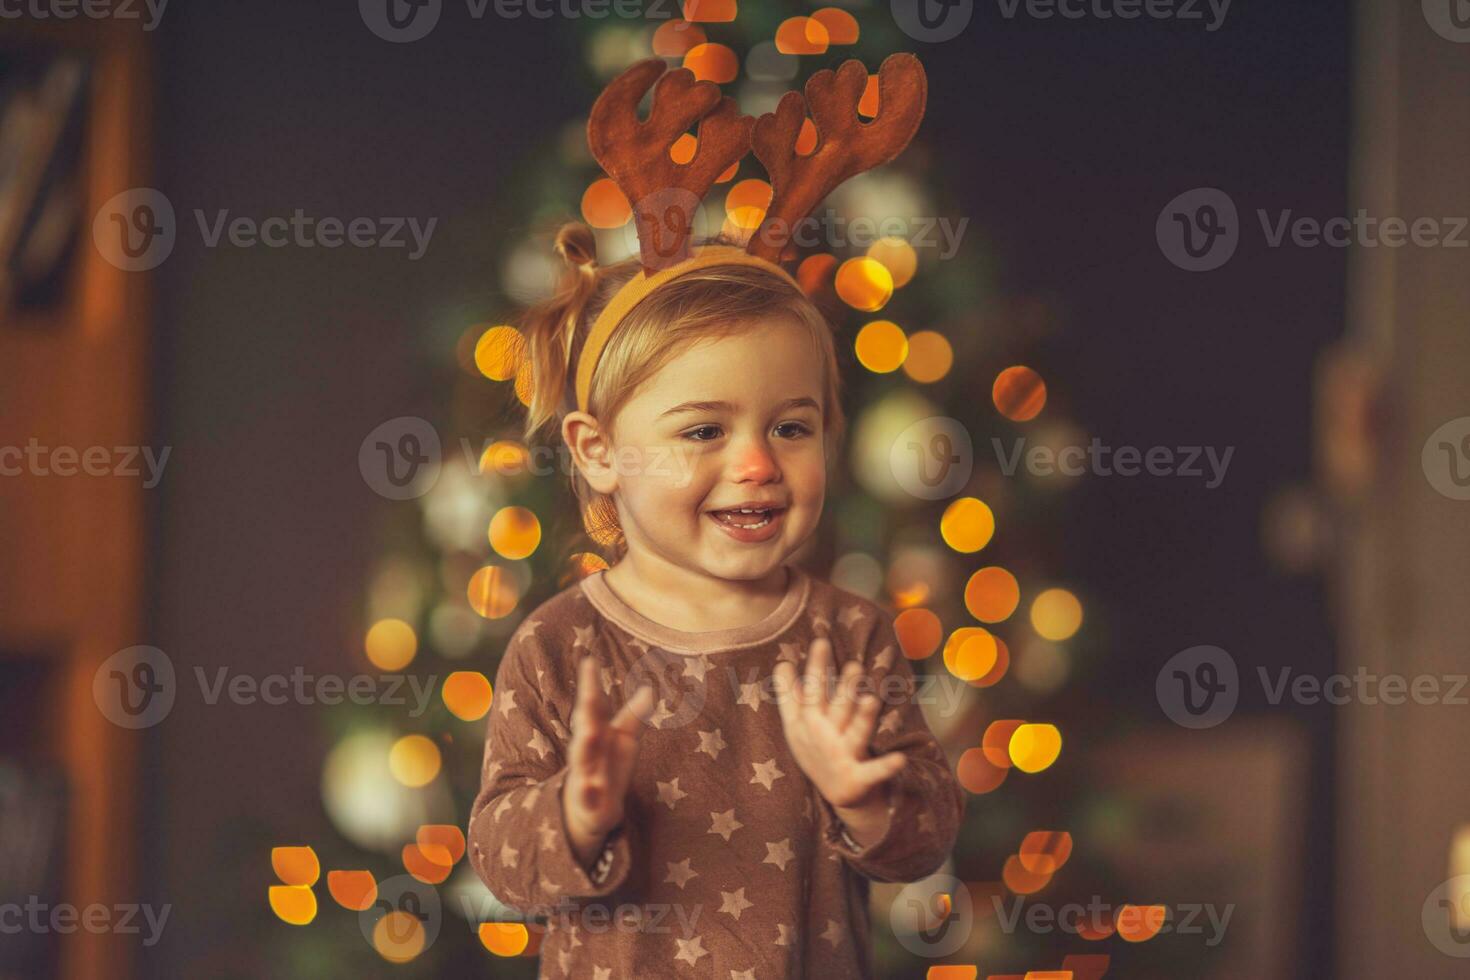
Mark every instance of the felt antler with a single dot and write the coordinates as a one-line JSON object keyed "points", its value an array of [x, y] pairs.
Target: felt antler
{"points": [[846, 145], [635, 154]]}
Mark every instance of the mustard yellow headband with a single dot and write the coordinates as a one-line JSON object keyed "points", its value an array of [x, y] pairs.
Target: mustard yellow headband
{"points": [[635, 290]]}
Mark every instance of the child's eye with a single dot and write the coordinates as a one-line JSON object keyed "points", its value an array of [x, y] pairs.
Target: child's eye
{"points": [[795, 430], [710, 432]]}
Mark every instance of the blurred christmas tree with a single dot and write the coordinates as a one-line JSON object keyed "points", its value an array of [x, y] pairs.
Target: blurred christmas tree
{"points": [[963, 550]]}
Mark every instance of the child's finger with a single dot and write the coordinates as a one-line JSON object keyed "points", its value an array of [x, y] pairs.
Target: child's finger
{"points": [[860, 729], [632, 717], [846, 698], [818, 667], [880, 770], [783, 679]]}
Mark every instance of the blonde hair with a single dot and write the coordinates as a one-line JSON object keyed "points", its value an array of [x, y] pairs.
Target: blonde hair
{"points": [[715, 301]]}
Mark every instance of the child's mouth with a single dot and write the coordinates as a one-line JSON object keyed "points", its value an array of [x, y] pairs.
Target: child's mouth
{"points": [[748, 524]]}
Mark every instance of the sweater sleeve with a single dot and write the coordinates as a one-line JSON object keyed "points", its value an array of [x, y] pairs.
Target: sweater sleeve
{"points": [[518, 838], [925, 802]]}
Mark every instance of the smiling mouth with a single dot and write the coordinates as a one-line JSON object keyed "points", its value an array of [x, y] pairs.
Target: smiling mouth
{"points": [[747, 519]]}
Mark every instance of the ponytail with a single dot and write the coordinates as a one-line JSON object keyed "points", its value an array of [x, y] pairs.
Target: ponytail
{"points": [[554, 328]]}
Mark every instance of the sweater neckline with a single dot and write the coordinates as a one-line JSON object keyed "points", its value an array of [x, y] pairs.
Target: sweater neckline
{"points": [[612, 607]]}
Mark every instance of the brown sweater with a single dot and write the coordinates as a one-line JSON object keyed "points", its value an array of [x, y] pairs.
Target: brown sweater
{"points": [[729, 863]]}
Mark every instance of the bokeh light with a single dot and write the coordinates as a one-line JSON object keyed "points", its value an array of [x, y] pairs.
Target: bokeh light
{"points": [[864, 284], [898, 257], [1139, 923], [391, 644], [712, 63], [967, 525], [1021, 881], [492, 593], [1019, 393], [353, 890], [842, 27], [992, 594], [919, 632], [709, 11], [296, 865], [398, 937], [802, 35], [514, 532], [498, 352], [1043, 852], [881, 346], [467, 694], [977, 774], [505, 457], [996, 741], [1034, 747], [504, 938], [814, 275], [930, 357], [293, 904], [414, 761], [425, 864], [998, 671], [604, 205], [675, 38], [1056, 614]]}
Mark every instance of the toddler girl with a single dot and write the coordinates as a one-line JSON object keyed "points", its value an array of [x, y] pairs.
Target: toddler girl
{"points": [[698, 758]]}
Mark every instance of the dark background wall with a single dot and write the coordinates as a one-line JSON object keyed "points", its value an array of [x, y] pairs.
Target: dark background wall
{"points": [[274, 363]]}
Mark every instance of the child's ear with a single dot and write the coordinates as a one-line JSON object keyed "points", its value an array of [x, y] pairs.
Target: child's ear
{"points": [[591, 450]]}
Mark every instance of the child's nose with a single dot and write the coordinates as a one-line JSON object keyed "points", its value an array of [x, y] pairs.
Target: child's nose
{"points": [[755, 461]]}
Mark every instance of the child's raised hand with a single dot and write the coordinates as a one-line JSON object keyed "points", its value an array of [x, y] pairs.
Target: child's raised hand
{"points": [[829, 737], [600, 761]]}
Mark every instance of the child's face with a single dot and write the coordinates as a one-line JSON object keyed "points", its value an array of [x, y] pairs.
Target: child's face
{"points": [[764, 445]]}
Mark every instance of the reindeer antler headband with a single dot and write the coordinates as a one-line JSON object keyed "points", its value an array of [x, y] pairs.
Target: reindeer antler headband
{"points": [[666, 195]]}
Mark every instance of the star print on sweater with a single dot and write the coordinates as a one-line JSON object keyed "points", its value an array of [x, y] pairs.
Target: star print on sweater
{"points": [[728, 862]]}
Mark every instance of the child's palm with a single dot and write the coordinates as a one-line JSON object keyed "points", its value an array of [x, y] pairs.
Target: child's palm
{"points": [[603, 751], [829, 737]]}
